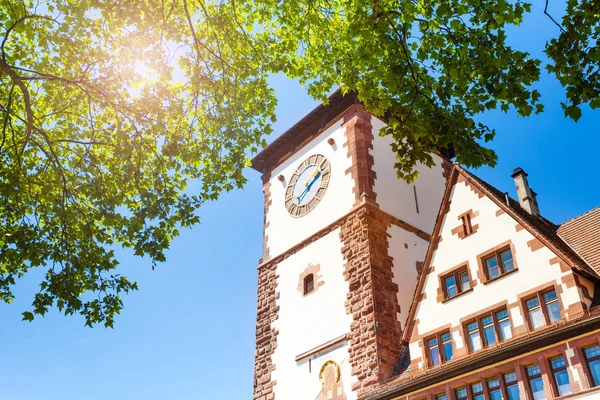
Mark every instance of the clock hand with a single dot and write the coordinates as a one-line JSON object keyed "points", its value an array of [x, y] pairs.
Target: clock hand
{"points": [[308, 186]]}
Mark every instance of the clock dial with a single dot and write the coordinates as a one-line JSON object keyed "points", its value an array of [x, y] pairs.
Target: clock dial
{"points": [[307, 185]]}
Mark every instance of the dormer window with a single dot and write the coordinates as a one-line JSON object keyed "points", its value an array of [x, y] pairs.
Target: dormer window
{"points": [[309, 284]]}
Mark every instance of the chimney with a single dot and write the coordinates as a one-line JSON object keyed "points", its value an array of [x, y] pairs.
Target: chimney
{"points": [[527, 197]]}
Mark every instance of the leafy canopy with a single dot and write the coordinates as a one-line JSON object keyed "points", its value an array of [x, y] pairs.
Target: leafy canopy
{"points": [[110, 108]]}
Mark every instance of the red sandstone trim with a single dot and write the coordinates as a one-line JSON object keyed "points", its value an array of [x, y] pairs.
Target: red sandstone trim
{"points": [[266, 335], [336, 224], [375, 332], [359, 140]]}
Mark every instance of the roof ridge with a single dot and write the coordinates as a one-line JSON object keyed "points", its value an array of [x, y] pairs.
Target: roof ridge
{"points": [[580, 216]]}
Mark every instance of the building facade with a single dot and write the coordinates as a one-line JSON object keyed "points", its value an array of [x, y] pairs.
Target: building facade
{"points": [[371, 288]]}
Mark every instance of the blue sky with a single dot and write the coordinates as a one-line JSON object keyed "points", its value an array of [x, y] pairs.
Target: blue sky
{"points": [[188, 333]]}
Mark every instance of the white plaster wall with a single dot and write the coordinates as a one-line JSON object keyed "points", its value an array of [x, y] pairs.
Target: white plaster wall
{"points": [[534, 267], [285, 231], [396, 197], [406, 249], [306, 322]]}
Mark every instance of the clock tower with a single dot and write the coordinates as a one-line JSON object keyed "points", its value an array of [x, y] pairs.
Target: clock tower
{"points": [[343, 243]]}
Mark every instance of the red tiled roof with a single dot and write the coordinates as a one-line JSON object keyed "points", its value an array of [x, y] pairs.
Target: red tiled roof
{"points": [[582, 233]]}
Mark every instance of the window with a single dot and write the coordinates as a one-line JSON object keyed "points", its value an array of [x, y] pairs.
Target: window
{"points": [[512, 386], [474, 336], [561, 376], [494, 389], [534, 375], [309, 283], [456, 282], [493, 327], [440, 396], [592, 356], [498, 263], [466, 224], [439, 348], [543, 309], [460, 393], [477, 391]]}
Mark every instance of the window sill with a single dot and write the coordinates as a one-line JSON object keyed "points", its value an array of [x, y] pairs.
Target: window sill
{"points": [[458, 295], [501, 276]]}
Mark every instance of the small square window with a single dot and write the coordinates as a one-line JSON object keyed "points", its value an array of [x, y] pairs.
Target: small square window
{"points": [[456, 282], [498, 263], [439, 348]]}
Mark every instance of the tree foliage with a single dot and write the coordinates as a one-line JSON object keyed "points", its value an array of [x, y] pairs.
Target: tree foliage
{"points": [[110, 108]]}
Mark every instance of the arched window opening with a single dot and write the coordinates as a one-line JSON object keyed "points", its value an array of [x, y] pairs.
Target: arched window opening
{"points": [[309, 284]]}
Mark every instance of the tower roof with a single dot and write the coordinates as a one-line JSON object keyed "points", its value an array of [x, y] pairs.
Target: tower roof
{"points": [[303, 131]]}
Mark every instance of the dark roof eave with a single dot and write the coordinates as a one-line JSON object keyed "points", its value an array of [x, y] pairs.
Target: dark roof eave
{"points": [[303, 129]]}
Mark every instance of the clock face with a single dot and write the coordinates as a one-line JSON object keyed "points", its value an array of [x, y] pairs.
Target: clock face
{"points": [[307, 185]]}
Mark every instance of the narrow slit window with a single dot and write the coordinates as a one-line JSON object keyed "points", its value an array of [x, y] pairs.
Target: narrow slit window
{"points": [[309, 283], [466, 224]]}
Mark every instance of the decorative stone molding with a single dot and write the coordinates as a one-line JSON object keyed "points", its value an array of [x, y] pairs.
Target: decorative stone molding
{"points": [[359, 140]]}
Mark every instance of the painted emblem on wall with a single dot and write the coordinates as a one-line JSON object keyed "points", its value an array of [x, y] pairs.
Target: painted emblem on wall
{"points": [[331, 382], [307, 185]]}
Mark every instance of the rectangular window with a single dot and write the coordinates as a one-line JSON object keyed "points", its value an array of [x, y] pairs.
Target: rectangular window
{"points": [[534, 375], [461, 393], [498, 263], [552, 306], [543, 309], [489, 332], [512, 386], [438, 354], [474, 336], [434, 352], [440, 396], [477, 391], [489, 329], [456, 282], [592, 357], [446, 346], [504, 324], [561, 375], [494, 390]]}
